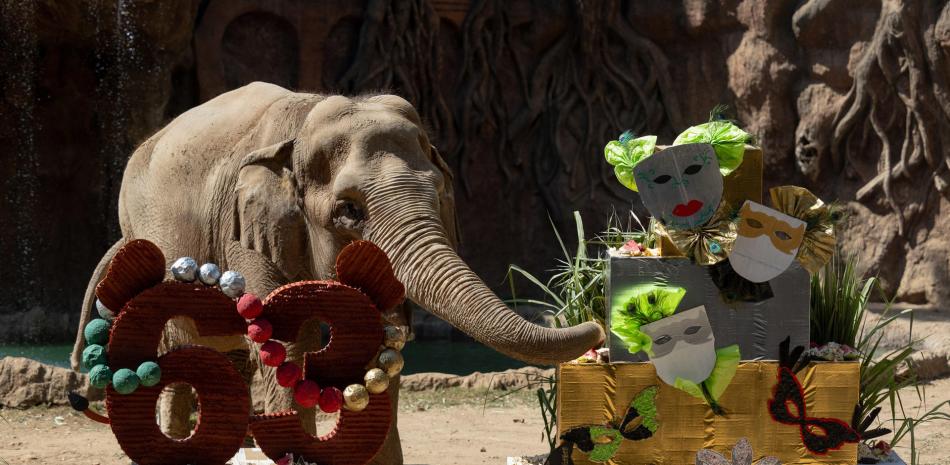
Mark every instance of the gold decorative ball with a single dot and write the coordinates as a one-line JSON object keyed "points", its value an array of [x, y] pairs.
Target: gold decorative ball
{"points": [[376, 381], [394, 337], [356, 397], [391, 362]]}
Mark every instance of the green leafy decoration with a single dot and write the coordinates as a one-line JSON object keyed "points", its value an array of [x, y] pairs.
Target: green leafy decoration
{"points": [[640, 305], [604, 451], [626, 153], [727, 139], [645, 403]]}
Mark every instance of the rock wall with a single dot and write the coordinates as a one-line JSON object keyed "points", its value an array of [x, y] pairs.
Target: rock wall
{"points": [[848, 97]]}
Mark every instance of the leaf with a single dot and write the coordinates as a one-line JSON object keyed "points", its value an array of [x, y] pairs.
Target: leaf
{"points": [[727, 362], [727, 139]]}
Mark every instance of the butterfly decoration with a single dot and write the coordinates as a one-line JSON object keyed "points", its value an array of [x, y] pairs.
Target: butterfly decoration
{"points": [[741, 455], [601, 443], [819, 435]]}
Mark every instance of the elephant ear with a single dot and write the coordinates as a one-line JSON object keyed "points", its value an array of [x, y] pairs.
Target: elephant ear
{"points": [[268, 217], [447, 198]]}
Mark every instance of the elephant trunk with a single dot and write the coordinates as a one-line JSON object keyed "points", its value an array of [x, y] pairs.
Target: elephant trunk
{"points": [[413, 236]]}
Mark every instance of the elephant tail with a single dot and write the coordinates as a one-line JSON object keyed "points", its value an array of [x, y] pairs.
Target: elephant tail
{"points": [[89, 302], [81, 404]]}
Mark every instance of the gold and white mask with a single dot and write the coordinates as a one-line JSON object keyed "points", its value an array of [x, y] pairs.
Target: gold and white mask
{"points": [[766, 244]]}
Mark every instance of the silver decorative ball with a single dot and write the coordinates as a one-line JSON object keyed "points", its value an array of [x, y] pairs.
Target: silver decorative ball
{"points": [[104, 312], [394, 338], [232, 284], [376, 381], [185, 269], [209, 273], [355, 397], [391, 362]]}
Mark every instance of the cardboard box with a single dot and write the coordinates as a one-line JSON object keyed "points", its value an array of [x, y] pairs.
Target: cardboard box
{"points": [[758, 327], [596, 394]]}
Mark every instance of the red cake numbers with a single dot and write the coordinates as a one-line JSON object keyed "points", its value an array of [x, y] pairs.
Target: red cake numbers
{"points": [[354, 322], [356, 336], [222, 394]]}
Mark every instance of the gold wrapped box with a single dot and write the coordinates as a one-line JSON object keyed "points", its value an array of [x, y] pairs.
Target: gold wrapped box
{"points": [[597, 394]]}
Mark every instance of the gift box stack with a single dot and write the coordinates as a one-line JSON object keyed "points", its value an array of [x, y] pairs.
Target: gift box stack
{"points": [[708, 319]]}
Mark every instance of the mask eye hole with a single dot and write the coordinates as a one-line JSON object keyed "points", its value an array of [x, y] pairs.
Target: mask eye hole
{"points": [[692, 330], [782, 235], [753, 223], [692, 169], [662, 179], [662, 339]]}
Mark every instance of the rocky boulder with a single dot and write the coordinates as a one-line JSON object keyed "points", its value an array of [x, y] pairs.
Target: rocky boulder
{"points": [[26, 383]]}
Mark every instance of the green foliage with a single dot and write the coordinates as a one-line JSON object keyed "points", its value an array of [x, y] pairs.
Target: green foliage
{"points": [[839, 298], [575, 293], [839, 313]]}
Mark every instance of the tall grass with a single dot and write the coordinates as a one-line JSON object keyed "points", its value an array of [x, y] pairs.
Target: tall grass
{"points": [[839, 313], [575, 293], [839, 297]]}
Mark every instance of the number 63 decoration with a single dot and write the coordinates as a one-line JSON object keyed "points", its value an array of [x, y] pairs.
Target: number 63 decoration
{"points": [[351, 307]]}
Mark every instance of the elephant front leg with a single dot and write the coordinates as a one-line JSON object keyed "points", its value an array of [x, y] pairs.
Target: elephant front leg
{"points": [[175, 408]]}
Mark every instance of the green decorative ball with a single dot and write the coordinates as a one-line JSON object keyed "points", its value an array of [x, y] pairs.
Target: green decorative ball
{"points": [[149, 373], [100, 376], [94, 355], [125, 381], [97, 332]]}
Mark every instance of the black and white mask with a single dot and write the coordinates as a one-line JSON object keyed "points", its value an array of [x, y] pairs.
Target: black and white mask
{"points": [[683, 346]]}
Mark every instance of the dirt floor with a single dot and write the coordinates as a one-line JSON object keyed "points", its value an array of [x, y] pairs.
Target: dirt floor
{"points": [[454, 426]]}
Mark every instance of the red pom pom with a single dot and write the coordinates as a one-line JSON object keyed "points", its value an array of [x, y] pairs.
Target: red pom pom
{"points": [[288, 373], [307, 393], [331, 399], [259, 330], [249, 306], [273, 353]]}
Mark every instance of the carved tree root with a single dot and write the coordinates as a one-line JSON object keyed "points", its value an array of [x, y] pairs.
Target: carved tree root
{"points": [[599, 94], [399, 50], [898, 102]]}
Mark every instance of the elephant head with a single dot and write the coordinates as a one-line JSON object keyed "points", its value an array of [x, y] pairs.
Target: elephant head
{"points": [[363, 168]]}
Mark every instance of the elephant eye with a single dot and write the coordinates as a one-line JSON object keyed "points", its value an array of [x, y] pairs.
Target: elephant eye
{"points": [[347, 214]]}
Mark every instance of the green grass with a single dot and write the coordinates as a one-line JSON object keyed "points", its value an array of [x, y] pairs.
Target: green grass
{"points": [[839, 313]]}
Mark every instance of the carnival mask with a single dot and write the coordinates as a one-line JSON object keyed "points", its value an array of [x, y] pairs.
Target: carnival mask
{"points": [[683, 346], [681, 186], [766, 243]]}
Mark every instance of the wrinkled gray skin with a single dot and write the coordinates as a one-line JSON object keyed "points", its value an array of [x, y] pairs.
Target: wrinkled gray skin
{"points": [[274, 184]]}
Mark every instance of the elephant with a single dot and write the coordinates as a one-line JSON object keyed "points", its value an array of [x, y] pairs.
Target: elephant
{"points": [[274, 183]]}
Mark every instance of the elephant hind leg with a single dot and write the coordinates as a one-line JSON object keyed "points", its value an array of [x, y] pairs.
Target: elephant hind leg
{"points": [[175, 407]]}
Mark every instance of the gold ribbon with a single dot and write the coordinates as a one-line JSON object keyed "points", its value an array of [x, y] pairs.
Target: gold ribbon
{"points": [[819, 243], [697, 243]]}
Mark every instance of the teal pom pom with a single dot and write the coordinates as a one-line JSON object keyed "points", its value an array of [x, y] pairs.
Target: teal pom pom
{"points": [[100, 376], [125, 381], [97, 332], [149, 373], [94, 355]]}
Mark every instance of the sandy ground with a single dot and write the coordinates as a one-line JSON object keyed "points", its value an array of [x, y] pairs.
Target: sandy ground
{"points": [[479, 427], [455, 426]]}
